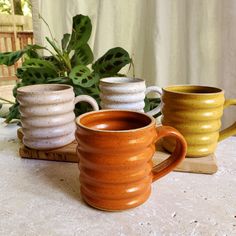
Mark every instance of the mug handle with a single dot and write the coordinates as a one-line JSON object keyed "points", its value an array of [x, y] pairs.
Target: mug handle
{"points": [[88, 99], [230, 131], [157, 90], [176, 157]]}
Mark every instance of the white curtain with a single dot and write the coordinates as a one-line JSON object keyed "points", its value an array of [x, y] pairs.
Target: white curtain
{"points": [[171, 41]]}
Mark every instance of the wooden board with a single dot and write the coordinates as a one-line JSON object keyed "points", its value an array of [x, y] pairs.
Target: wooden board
{"points": [[203, 165]]}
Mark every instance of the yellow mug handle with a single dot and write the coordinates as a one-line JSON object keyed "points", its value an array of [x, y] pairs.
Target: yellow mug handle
{"points": [[230, 131]]}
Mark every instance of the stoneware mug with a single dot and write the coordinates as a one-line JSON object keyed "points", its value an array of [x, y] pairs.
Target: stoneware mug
{"points": [[115, 149], [47, 116], [195, 111], [126, 93]]}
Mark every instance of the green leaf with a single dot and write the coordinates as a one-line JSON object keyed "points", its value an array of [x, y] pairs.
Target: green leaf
{"points": [[81, 75], [33, 47], [54, 46], [82, 107], [94, 92], [10, 58], [151, 103], [81, 31], [79, 90], [32, 54], [36, 62], [19, 72], [147, 105], [82, 56], [13, 113], [111, 62], [37, 75], [62, 57], [154, 102], [65, 41], [18, 85], [59, 80], [31, 50], [59, 66]]}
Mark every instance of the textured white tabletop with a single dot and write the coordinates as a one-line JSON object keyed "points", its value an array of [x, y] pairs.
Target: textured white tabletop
{"points": [[43, 198]]}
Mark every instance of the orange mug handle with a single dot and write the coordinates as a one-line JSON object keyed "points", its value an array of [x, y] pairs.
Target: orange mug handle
{"points": [[175, 158]]}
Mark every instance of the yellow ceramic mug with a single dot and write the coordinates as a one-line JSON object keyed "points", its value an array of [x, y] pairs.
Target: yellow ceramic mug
{"points": [[196, 111]]}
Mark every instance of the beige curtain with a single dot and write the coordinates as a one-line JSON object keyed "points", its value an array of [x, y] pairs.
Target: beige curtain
{"points": [[171, 41]]}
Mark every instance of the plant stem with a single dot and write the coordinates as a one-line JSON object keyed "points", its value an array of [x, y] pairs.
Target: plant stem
{"points": [[66, 59], [132, 63], [54, 46], [63, 57], [40, 17], [8, 101], [54, 55], [128, 69]]}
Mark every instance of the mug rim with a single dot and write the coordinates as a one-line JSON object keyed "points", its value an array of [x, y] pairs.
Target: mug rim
{"points": [[117, 80], [42, 88], [214, 90], [78, 123]]}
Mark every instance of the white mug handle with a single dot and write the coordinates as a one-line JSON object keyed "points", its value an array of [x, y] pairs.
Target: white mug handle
{"points": [[88, 99], [157, 90]]}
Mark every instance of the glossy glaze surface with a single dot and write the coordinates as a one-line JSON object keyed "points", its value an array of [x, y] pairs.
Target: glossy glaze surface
{"points": [[47, 115], [115, 150], [196, 112]]}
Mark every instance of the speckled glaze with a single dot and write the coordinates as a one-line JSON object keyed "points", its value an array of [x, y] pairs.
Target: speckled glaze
{"points": [[126, 93], [196, 112], [115, 149], [47, 115]]}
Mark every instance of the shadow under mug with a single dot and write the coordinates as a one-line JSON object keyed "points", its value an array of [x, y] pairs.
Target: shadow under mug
{"points": [[126, 93], [115, 149], [47, 114], [196, 111]]}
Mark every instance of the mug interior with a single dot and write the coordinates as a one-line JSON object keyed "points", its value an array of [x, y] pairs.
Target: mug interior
{"points": [[114, 120], [120, 80], [43, 88], [193, 89]]}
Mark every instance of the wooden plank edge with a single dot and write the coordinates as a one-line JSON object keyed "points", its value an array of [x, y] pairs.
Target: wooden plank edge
{"points": [[207, 166], [47, 156]]}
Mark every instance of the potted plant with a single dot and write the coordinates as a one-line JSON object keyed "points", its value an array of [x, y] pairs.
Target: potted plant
{"points": [[71, 62]]}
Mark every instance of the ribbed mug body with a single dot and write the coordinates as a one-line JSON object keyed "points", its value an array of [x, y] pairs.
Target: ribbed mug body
{"points": [[195, 111], [122, 93], [115, 166], [47, 115]]}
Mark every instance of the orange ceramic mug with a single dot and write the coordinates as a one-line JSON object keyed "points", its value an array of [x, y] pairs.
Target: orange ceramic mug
{"points": [[115, 148]]}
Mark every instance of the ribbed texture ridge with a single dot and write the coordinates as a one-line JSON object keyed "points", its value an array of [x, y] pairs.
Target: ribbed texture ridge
{"points": [[115, 174], [197, 117], [48, 123]]}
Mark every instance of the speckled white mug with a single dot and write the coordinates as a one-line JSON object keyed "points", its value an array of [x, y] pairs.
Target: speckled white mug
{"points": [[126, 93], [47, 114]]}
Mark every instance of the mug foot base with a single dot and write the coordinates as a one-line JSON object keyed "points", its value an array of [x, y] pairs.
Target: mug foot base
{"points": [[115, 207]]}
